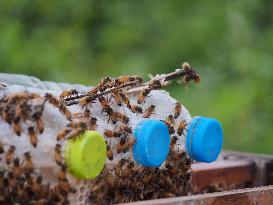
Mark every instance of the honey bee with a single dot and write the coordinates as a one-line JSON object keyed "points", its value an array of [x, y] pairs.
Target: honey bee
{"points": [[10, 154], [93, 123], [155, 84], [186, 66], [149, 111], [61, 135], [16, 126], [57, 154], [78, 128], [181, 127], [125, 128], [128, 169], [117, 98], [52, 100], [112, 115], [125, 100], [17, 169], [131, 141], [29, 178], [65, 186], [103, 102], [93, 91], [62, 172], [177, 110], [28, 167], [109, 153], [170, 124], [136, 109], [104, 84], [86, 100], [142, 96], [122, 117], [40, 125], [2, 149], [173, 142], [11, 179], [68, 93], [110, 133], [65, 111], [32, 136], [38, 184]]}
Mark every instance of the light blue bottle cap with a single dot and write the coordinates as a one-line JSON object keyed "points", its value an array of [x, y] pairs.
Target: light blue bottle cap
{"points": [[204, 139], [152, 143]]}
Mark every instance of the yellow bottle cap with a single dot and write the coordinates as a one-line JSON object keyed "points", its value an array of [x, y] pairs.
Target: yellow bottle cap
{"points": [[86, 155]]}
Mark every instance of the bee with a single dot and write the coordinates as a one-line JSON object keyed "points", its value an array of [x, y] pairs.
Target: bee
{"points": [[17, 169], [61, 135], [181, 127], [68, 93], [155, 84], [110, 133], [65, 186], [28, 167], [177, 110], [136, 109], [109, 153], [58, 155], [131, 141], [78, 128], [2, 149], [117, 98], [112, 115], [173, 141], [62, 172], [125, 100], [11, 179], [128, 169], [93, 91], [122, 117], [32, 136], [86, 100], [125, 128], [10, 154], [16, 126], [65, 111], [40, 125], [186, 66], [93, 123], [38, 184], [29, 178], [149, 111], [52, 100], [170, 124], [142, 95], [104, 84], [103, 102]]}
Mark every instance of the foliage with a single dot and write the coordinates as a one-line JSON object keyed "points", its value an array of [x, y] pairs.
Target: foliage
{"points": [[229, 42]]}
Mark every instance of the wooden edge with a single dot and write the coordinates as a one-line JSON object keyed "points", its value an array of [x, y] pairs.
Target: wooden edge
{"points": [[260, 195], [222, 175]]}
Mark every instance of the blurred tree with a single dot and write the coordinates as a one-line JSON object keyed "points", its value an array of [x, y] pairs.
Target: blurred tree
{"points": [[230, 43]]}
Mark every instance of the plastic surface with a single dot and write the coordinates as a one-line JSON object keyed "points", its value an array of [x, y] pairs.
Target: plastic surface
{"points": [[152, 143], [204, 139], [86, 155]]}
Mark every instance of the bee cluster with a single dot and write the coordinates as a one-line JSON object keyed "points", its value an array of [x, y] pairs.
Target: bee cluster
{"points": [[19, 180], [125, 181]]}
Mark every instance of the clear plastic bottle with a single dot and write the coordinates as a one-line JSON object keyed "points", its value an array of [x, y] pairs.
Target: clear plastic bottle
{"points": [[85, 157]]}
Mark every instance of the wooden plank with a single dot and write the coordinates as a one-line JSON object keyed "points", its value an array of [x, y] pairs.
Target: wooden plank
{"points": [[225, 174], [260, 195]]}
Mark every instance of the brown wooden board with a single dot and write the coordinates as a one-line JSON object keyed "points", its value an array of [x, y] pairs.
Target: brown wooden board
{"points": [[249, 196]]}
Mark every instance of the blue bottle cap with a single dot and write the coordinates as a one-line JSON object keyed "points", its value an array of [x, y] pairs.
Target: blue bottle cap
{"points": [[204, 139], [152, 143]]}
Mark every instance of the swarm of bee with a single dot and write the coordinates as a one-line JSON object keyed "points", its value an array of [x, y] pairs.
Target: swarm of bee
{"points": [[124, 182]]}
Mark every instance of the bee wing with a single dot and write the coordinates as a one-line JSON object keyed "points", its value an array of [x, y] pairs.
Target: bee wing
{"points": [[150, 76]]}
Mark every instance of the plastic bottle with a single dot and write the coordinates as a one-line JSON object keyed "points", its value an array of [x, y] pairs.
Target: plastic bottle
{"points": [[85, 156]]}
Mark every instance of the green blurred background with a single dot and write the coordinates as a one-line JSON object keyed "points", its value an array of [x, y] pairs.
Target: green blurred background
{"points": [[230, 43]]}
